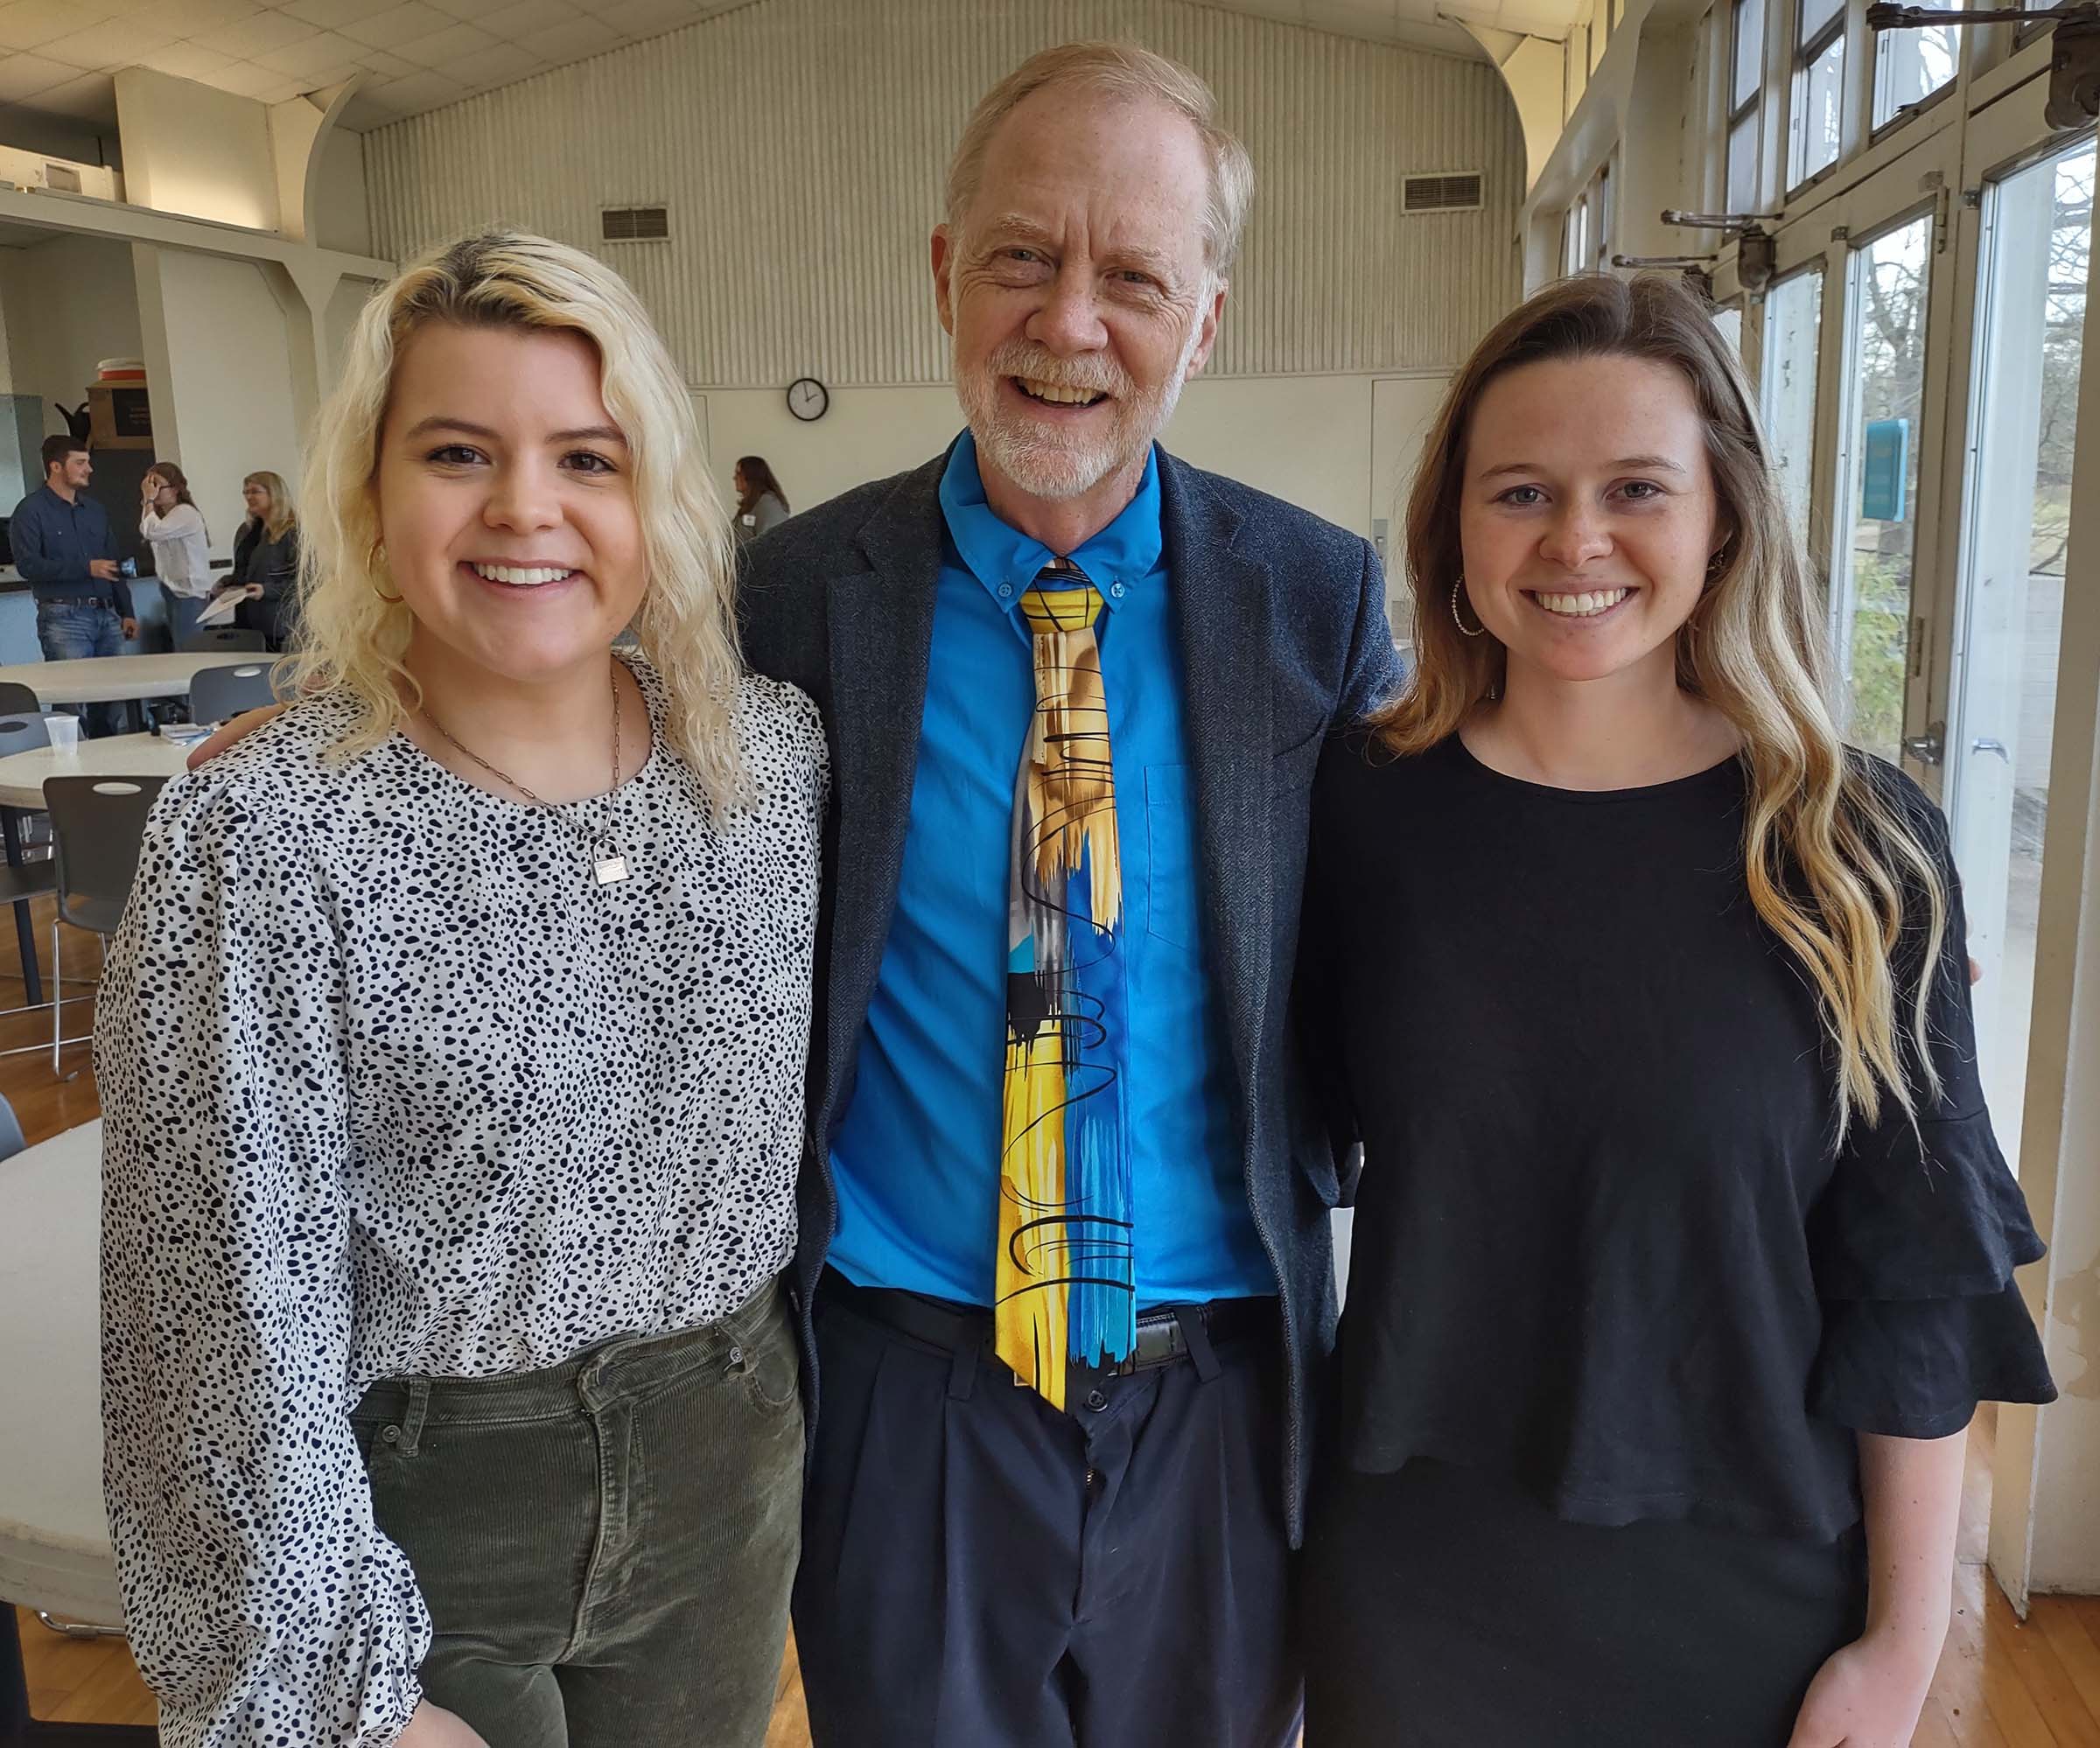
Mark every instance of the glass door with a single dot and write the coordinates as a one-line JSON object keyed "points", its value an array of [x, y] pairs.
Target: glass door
{"points": [[2036, 245], [1793, 347], [1881, 435]]}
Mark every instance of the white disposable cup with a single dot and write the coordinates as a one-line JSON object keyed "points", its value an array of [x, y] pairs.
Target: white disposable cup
{"points": [[65, 732]]}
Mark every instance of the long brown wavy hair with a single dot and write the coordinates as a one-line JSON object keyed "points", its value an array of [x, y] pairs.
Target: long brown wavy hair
{"points": [[1836, 870]]}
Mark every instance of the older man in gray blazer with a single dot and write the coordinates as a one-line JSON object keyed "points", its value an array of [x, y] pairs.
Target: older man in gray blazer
{"points": [[1065, 1269]]}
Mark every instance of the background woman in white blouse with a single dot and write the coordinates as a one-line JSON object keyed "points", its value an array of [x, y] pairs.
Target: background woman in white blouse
{"points": [[171, 522], [453, 1073]]}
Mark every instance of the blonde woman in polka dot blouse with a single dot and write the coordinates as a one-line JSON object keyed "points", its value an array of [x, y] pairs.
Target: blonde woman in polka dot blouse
{"points": [[453, 1057]]}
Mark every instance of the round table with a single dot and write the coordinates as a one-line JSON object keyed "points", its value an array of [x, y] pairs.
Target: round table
{"points": [[22, 775], [119, 679], [54, 1539]]}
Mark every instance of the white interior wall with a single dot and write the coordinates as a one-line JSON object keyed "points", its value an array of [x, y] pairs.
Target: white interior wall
{"points": [[342, 216], [230, 377], [70, 303], [1341, 446], [191, 148]]}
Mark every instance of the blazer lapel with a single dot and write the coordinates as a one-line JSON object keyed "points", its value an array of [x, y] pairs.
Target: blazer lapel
{"points": [[1223, 615], [880, 623]]}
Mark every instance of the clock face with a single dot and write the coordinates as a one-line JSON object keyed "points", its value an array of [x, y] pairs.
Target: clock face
{"points": [[808, 398]]}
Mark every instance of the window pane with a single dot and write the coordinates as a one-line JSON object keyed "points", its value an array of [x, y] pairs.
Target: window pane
{"points": [[1999, 739], [1909, 66], [1793, 347], [1820, 89], [1815, 14], [1877, 490], [1742, 165], [1749, 53], [1728, 322]]}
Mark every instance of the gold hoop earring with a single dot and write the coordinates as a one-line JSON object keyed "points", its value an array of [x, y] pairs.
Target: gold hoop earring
{"points": [[376, 557], [1457, 583]]}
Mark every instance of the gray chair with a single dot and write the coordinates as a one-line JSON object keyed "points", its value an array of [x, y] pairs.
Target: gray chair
{"points": [[218, 693], [214, 638], [18, 700], [23, 881], [11, 1139], [98, 824]]}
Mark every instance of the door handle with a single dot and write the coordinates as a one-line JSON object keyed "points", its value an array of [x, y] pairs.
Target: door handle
{"points": [[1930, 748], [1997, 746]]}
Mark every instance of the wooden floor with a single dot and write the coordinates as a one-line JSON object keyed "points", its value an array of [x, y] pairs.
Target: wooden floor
{"points": [[2001, 1684]]}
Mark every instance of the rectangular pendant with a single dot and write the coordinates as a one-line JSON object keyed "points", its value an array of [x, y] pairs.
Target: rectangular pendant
{"points": [[611, 869]]}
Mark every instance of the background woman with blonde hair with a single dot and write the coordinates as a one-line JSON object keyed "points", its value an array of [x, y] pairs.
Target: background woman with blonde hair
{"points": [[266, 558], [452, 1061], [1684, 1251]]}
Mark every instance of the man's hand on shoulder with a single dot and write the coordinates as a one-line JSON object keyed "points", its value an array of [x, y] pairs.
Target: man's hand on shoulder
{"points": [[232, 734]]}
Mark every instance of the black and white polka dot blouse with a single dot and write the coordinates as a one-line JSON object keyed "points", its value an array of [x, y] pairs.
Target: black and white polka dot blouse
{"points": [[393, 1087]]}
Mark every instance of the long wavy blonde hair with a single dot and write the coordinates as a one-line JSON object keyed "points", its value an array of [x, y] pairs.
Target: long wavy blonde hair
{"points": [[1836, 870], [353, 639]]}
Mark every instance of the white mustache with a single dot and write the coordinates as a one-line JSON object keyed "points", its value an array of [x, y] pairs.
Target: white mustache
{"points": [[1038, 365]]}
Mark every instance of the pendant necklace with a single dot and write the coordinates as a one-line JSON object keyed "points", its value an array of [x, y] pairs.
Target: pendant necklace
{"points": [[607, 863]]}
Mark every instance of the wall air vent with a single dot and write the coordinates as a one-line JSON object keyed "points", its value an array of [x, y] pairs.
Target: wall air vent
{"points": [[1454, 192], [635, 224]]}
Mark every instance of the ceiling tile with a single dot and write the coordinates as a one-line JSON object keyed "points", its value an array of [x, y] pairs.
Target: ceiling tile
{"points": [[194, 18], [575, 40], [390, 29], [243, 79], [30, 23], [420, 91], [365, 111], [501, 64], [386, 65], [646, 18], [258, 35], [105, 46], [333, 14], [186, 60], [89, 99], [24, 75], [514, 22], [303, 59], [447, 46], [471, 11]]}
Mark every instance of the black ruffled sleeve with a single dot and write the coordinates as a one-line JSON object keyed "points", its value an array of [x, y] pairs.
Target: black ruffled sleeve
{"points": [[1915, 1239]]}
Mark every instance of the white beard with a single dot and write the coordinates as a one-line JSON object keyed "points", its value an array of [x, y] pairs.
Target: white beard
{"points": [[1046, 462]]}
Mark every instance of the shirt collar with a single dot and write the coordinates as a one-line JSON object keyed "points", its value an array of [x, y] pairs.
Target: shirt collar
{"points": [[1000, 556]]}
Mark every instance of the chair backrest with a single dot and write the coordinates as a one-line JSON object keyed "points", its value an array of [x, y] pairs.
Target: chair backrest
{"points": [[23, 733], [97, 824], [11, 1139], [218, 693], [214, 638], [18, 700]]}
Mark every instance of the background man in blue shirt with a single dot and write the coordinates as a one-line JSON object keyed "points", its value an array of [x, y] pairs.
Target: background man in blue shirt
{"points": [[980, 1566], [65, 551]]}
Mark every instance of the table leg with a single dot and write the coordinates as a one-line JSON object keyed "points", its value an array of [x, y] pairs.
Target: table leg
{"points": [[20, 1730], [25, 931]]}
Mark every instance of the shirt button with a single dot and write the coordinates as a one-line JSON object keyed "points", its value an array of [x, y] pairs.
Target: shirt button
{"points": [[736, 1356], [1116, 590], [392, 1435], [1097, 1400], [1005, 590]]}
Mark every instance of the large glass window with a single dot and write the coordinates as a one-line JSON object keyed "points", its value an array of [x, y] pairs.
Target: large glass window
{"points": [[1793, 349], [1878, 479], [1910, 66], [2010, 614], [1746, 77], [1817, 111]]}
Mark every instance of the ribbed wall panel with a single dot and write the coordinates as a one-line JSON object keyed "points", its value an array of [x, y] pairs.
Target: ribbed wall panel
{"points": [[800, 146]]}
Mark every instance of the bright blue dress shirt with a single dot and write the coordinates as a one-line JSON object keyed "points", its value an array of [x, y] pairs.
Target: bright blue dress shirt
{"points": [[916, 1159]]}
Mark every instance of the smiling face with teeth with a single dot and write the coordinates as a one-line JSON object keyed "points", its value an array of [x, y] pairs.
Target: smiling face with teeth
{"points": [[1078, 299], [1589, 518], [506, 503]]}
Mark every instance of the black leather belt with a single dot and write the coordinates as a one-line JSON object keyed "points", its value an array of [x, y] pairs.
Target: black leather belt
{"points": [[1162, 1336]]}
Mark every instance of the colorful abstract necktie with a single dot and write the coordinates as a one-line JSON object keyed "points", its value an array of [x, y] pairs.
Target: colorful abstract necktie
{"points": [[1066, 1290]]}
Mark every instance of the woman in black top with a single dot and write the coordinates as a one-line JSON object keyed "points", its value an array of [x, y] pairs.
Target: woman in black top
{"points": [[266, 559], [1684, 1251]]}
